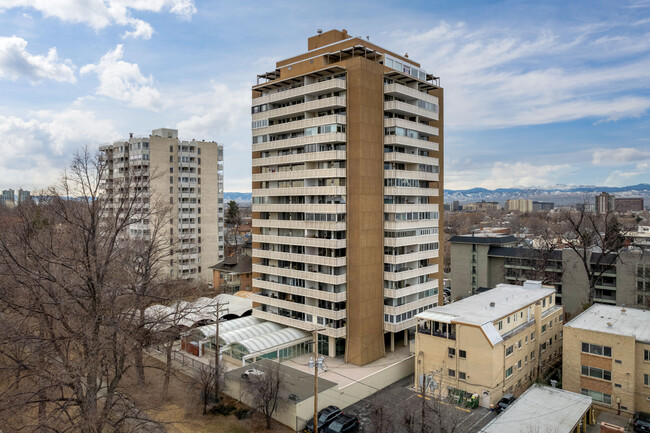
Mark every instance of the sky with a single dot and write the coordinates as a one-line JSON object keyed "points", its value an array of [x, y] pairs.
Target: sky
{"points": [[536, 93]]}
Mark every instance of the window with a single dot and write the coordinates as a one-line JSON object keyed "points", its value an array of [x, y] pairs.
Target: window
{"points": [[646, 355], [532, 336], [508, 372], [646, 379], [509, 350], [462, 354], [597, 396], [461, 375], [596, 349], [451, 351], [519, 344], [519, 365], [500, 325], [598, 373], [543, 329], [532, 355], [452, 373]]}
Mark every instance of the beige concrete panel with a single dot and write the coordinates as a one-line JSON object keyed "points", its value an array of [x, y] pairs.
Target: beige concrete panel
{"points": [[365, 236]]}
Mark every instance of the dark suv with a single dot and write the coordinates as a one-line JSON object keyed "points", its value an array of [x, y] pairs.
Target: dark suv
{"points": [[325, 417], [641, 422], [504, 403], [343, 424]]}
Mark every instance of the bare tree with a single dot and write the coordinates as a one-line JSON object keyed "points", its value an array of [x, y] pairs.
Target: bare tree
{"points": [[597, 239], [68, 302], [265, 389], [206, 377]]}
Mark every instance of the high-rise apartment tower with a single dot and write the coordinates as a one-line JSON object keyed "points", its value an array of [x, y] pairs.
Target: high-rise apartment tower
{"points": [[347, 194], [188, 175]]}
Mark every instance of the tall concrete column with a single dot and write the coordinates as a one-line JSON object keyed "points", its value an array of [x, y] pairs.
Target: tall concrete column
{"points": [[332, 347]]}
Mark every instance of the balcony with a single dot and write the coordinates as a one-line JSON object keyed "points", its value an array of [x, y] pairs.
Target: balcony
{"points": [[410, 273], [302, 207], [305, 275], [409, 110], [304, 241], [299, 191], [300, 174], [300, 324], [302, 258], [411, 257], [317, 88], [415, 126], [316, 105], [406, 191], [427, 331], [410, 240], [403, 225], [403, 208], [330, 137], [302, 308], [405, 92], [410, 158], [413, 142], [301, 291], [329, 155], [293, 224], [410, 174], [302, 124], [409, 290]]}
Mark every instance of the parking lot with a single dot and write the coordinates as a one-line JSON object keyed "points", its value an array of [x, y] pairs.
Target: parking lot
{"points": [[400, 396]]}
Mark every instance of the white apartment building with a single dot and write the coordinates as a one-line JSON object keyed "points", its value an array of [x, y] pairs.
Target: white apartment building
{"points": [[188, 175]]}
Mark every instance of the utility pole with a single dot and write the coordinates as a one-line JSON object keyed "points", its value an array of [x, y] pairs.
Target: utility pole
{"points": [[316, 363]]}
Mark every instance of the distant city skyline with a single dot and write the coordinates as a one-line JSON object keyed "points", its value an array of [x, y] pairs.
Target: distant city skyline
{"points": [[535, 93]]}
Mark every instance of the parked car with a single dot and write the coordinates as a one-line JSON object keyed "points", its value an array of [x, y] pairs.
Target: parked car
{"points": [[504, 403], [641, 422], [251, 372], [343, 424], [325, 417]]}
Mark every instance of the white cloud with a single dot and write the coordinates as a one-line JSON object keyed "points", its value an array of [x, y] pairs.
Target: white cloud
{"points": [[100, 14], [500, 78], [123, 81], [16, 62], [619, 156], [35, 150], [221, 115]]}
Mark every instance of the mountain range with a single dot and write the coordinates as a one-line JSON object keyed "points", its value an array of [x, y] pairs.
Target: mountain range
{"points": [[558, 194]]}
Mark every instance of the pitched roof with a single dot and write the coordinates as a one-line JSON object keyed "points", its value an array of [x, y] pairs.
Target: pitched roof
{"points": [[241, 264]]}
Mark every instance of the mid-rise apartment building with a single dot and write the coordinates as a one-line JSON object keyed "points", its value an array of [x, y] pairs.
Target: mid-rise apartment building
{"points": [[347, 194], [490, 344], [519, 205], [188, 176], [8, 197], [606, 355], [485, 261], [604, 202]]}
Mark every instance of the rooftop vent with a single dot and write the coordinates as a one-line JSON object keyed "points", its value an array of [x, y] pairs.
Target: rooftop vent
{"points": [[623, 310], [609, 324], [319, 31], [492, 304]]}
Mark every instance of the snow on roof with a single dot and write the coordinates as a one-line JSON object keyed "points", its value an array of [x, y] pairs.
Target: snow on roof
{"points": [[616, 320], [541, 409]]}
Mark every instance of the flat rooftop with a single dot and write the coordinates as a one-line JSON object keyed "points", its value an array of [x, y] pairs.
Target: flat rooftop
{"points": [[541, 409], [611, 319], [478, 309]]}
